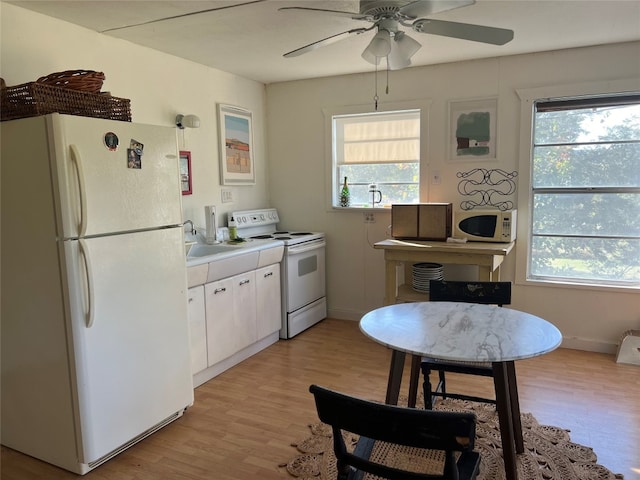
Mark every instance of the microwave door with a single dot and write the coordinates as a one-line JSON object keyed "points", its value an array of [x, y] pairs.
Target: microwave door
{"points": [[480, 225]]}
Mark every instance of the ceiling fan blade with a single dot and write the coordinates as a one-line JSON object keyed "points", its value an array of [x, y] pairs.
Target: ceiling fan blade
{"points": [[326, 41], [423, 8], [188, 14], [353, 15], [465, 31]]}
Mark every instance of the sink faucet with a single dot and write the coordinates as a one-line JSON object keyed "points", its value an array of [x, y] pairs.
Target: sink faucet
{"points": [[193, 229]]}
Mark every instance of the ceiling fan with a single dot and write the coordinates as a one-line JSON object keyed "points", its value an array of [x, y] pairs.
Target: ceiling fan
{"points": [[388, 18]]}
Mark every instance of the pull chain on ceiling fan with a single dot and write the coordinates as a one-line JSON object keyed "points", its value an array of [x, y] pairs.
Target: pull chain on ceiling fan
{"points": [[392, 43]]}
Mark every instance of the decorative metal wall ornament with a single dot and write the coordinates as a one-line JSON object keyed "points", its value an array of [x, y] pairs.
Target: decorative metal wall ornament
{"points": [[488, 186]]}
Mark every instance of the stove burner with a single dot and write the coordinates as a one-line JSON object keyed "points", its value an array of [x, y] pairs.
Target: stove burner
{"points": [[283, 238], [261, 237], [301, 233], [281, 233]]}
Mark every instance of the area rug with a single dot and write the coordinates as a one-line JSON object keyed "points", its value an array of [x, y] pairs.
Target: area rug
{"points": [[549, 453]]}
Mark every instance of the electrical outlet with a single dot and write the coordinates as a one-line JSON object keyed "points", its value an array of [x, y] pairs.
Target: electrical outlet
{"points": [[369, 217], [227, 195]]}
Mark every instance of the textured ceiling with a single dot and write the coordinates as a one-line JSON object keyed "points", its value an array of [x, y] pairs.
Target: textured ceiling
{"points": [[249, 38]]}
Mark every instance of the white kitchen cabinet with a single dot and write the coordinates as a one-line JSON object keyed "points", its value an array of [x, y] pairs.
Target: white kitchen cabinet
{"points": [[219, 315], [269, 306], [237, 316], [244, 310], [197, 328], [231, 315]]}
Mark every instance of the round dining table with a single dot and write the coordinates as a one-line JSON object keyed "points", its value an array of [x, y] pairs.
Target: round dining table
{"points": [[466, 332]]}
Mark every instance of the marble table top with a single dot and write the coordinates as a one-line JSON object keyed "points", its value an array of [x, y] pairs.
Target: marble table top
{"points": [[461, 331]]}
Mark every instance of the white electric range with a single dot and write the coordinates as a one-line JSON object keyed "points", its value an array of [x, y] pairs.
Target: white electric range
{"points": [[302, 271]]}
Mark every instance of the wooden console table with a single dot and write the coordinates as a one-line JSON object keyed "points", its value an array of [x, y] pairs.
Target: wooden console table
{"points": [[488, 257]]}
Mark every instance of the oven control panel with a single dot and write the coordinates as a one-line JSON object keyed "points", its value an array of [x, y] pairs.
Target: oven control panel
{"points": [[256, 218]]}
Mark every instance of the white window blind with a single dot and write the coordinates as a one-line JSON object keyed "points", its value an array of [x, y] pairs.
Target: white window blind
{"points": [[380, 138]]}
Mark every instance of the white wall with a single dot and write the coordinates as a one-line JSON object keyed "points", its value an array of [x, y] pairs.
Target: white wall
{"points": [[160, 86], [589, 318]]}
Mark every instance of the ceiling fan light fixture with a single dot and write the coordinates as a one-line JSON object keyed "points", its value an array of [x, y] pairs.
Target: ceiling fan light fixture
{"points": [[397, 62], [403, 48], [406, 45], [370, 57], [380, 45]]}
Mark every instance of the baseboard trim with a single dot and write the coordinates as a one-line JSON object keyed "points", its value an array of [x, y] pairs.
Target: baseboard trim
{"points": [[589, 345], [213, 371], [344, 314]]}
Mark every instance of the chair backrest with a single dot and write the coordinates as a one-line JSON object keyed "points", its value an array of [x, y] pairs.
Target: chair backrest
{"points": [[491, 293], [436, 430]]}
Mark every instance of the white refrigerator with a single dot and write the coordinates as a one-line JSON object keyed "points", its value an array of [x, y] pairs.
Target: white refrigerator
{"points": [[95, 348]]}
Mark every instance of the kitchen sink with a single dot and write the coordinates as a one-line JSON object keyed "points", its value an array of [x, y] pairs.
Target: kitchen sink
{"points": [[202, 250], [223, 259], [208, 263], [188, 246]]}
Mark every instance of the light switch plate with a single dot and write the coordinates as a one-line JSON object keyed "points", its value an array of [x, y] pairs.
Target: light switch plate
{"points": [[227, 195]]}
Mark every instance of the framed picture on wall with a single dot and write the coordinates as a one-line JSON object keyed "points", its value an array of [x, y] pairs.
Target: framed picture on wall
{"points": [[472, 132], [236, 146], [185, 172]]}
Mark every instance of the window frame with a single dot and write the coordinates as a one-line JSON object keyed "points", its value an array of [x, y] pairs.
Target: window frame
{"points": [[528, 99], [331, 178]]}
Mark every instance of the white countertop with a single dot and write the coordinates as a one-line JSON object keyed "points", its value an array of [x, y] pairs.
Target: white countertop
{"points": [[426, 246], [234, 250]]}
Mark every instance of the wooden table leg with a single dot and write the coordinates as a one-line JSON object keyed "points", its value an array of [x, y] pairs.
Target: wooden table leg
{"points": [[515, 406], [505, 417], [395, 377], [416, 360]]}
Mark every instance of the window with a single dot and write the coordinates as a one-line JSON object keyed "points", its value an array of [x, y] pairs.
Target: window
{"points": [[585, 191], [381, 148]]}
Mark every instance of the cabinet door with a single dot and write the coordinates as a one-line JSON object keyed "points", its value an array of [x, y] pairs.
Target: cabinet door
{"points": [[197, 329], [220, 324], [268, 300], [244, 309]]}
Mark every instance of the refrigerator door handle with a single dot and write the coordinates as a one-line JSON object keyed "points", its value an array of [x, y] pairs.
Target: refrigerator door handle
{"points": [[75, 156], [90, 315]]}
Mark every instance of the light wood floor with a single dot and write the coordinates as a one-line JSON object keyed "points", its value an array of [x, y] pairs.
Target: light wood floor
{"points": [[243, 421]]}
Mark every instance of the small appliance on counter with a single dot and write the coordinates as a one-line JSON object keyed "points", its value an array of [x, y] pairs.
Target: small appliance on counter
{"points": [[486, 225], [421, 221]]}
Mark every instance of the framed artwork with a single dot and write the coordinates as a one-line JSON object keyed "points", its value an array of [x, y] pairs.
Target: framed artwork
{"points": [[236, 146], [185, 172], [472, 129]]}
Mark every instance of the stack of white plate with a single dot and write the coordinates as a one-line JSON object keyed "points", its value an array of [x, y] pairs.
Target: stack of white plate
{"points": [[423, 272]]}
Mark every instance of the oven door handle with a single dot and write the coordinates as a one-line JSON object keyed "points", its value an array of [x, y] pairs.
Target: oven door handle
{"points": [[306, 247]]}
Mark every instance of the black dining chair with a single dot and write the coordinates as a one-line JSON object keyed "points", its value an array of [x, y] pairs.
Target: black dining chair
{"points": [[385, 430], [491, 293]]}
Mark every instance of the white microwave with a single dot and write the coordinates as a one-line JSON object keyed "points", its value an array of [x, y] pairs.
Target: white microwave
{"points": [[485, 225]]}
